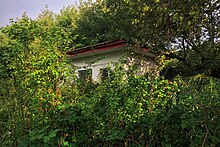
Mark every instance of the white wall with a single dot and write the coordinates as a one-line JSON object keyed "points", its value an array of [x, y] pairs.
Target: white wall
{"points": [[105, 60], [109, 58]]}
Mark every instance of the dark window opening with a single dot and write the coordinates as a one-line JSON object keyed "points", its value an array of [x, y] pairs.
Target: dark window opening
{"points": [[85, 75], [105, 73]]}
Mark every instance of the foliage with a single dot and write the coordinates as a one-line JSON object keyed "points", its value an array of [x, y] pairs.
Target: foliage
{"points": [[185, 30], [32, 70], [43, 103]]}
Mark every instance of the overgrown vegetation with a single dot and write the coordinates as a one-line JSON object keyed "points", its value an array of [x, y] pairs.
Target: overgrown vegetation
{"points": [[43, 103]]}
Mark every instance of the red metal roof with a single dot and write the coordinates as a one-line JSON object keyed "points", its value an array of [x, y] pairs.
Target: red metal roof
{"points": [[109, 45]]}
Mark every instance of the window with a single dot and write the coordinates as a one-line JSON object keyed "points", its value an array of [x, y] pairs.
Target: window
{"points": [[85, 75], [105, 73]]}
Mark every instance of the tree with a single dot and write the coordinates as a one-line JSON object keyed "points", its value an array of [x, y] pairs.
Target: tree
{"points": [[43, 103], [32, 71], [93, 24], [185, 30]]}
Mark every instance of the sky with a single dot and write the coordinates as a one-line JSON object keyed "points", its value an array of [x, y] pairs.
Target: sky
{"points": [[15, 8]]}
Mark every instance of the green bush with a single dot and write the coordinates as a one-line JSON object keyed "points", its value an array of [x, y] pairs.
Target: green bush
{"points": [[42, 103]]}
